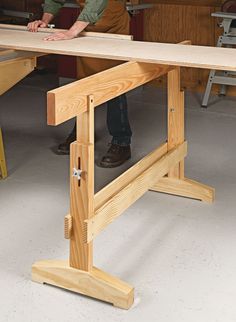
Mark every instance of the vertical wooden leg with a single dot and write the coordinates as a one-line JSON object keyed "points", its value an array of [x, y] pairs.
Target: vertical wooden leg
{"points": [[82, 191], [175, 118], [175, 182], [3, 167]]}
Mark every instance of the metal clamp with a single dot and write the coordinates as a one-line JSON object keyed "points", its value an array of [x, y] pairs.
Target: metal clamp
{"points": [[77, 173]]}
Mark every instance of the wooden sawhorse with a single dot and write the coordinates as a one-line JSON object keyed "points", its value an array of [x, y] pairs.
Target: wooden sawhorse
{"points": [[161, 171], [14, 66]]}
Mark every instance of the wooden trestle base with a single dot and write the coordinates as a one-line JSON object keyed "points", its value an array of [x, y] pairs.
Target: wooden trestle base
{"points": [[162, 170], [95, 283]]}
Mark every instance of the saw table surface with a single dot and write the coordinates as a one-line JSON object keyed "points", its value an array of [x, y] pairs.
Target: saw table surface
{"points": [[159, 53]]}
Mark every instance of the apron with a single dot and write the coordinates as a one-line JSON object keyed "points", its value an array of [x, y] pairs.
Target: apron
{"points": [[115, 19]]}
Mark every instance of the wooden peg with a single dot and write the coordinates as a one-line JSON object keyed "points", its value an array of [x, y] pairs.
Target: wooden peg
{"points": [[68, 226]]}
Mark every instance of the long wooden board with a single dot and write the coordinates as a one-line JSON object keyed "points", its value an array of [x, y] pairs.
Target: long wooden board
{"points": [[83, 33], [159, 53]]}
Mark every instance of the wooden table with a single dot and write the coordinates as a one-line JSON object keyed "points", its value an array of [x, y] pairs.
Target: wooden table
{"points": [[162, 170]]}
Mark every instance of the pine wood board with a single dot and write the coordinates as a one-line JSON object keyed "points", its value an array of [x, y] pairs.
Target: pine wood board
{"points": [[8, 56], [95, 283], [121, 201], [83, 33], [185, 188], [158, 53], [70, 100]]}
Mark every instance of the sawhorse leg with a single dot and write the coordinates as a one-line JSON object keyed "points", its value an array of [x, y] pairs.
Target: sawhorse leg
{"points": [[3, 167], [175, 182], [79, 274]]}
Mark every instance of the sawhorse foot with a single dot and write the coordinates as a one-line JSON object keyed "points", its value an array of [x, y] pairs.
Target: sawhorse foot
{"points": [[95, 283], [185, 188]]}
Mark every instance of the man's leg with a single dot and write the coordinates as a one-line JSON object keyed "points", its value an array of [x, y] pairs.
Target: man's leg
{"points": [[119, 128], [64, 147]]}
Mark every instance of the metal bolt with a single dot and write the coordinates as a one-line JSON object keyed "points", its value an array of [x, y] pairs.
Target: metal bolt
{"points": [[77, 173]]}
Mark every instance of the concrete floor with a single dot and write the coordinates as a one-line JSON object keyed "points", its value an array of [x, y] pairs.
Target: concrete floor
{"points": [[178, 253]]}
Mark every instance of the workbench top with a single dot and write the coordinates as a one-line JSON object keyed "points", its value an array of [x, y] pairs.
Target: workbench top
{"points": [[126, 50]]}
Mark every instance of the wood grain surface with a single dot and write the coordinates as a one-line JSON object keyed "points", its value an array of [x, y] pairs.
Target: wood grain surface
{"points": [[159, 53]]}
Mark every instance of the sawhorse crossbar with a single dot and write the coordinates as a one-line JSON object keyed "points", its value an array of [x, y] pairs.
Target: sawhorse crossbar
{"points": [[161, 171]]}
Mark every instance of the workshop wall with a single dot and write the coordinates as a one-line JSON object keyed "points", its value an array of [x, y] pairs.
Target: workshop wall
{"points": [[177, 20], [23, 5]]}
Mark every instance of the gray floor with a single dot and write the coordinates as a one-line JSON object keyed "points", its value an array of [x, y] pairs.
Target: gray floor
{"points": [[178, 253]]}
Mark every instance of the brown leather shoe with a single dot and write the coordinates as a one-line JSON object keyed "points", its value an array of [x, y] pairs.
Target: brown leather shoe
{"points": [[64, 147], [115, 156]]}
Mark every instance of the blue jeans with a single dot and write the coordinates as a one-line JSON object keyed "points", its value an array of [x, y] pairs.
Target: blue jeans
{"points": [[118, 122]]}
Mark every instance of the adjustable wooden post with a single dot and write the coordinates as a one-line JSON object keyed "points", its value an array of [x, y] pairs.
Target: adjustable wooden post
{"points": [[3, 166], [79, 275], [82, 189]]}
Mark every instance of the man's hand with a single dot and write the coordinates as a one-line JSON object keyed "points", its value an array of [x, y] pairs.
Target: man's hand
{"points": [[63, 35], [33, 26], [73, 32], [43, 23]]}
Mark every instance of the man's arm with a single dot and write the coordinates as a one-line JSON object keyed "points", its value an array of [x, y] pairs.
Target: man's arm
{"points": [[91, 13], [51, 9]]}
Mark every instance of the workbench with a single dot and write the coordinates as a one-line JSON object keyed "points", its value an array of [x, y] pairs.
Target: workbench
{"points": [[162, 170], [14, 66]]}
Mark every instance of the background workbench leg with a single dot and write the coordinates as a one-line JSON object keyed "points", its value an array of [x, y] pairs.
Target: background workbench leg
{"points": [[3, 166], [175, 182], [79, 274]]}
